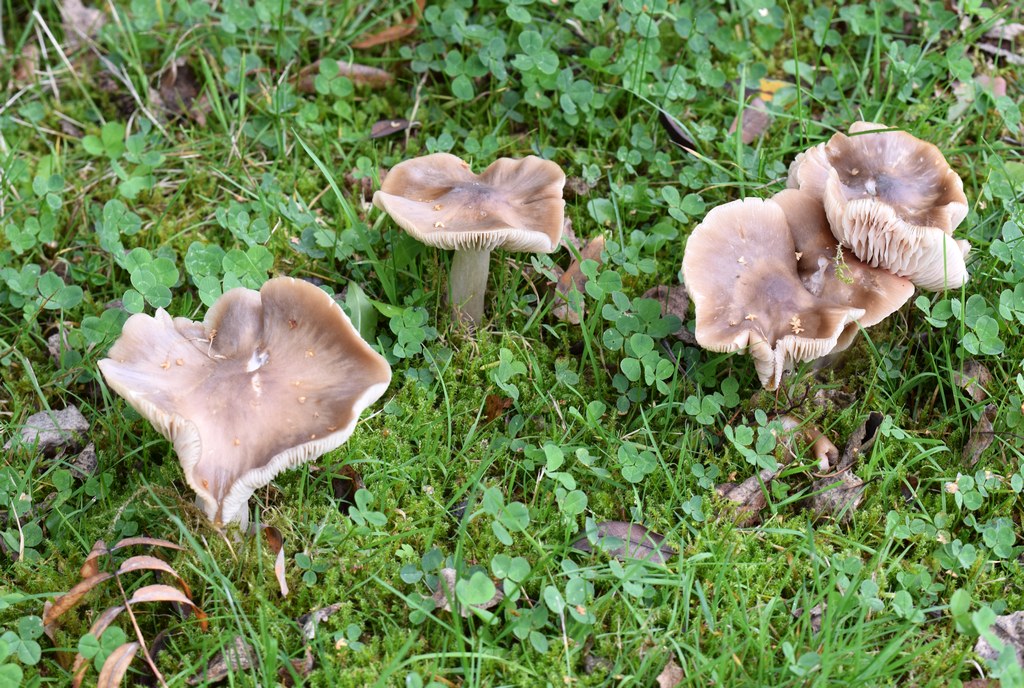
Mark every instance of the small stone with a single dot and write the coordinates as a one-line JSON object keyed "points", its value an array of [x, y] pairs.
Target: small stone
{"points": [[49, 431]]}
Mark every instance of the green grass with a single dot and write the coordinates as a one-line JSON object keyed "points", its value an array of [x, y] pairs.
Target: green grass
{"points": [[269, 184]]}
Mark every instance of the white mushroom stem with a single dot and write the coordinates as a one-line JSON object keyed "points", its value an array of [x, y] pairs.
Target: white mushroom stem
{"points": [[468, 282]]}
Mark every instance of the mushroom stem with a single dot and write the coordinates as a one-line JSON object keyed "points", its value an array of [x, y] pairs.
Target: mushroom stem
{"points": [[468, 282]]}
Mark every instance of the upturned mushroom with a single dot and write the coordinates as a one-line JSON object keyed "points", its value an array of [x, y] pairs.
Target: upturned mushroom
{"points": [[892, 199], [269, 380], [833, 273], [514, 204], [741, 270]]}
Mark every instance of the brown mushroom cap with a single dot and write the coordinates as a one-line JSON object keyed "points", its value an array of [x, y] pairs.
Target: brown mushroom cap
{"points": [[740, 268], [269, 380], [892, 199], [853, 284], [513, 204]]}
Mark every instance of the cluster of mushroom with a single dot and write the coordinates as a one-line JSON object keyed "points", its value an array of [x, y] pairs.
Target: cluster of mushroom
{"points": [[868, 216]]}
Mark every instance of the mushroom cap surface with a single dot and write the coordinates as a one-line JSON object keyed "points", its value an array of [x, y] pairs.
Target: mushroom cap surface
{"points": [[740, 268], [892, 199], [853, 283], [269, 380], [515, 204]]}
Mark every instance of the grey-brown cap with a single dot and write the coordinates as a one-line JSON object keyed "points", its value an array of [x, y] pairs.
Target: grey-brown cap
{"points": [[834, 273], [740, 268], [515, 204], [269, 380], [892, 199]]}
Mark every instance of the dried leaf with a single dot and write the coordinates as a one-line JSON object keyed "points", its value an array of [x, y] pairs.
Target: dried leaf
{"points": [[573, 278], [1008, 55], [85, 464], [861, 441], [975, 379], [49, 431], [748, 497], [495, 406], [577, 187], [674, 301], [239, 655], [1005, 31], [179, 93], [981, 436], [360, 75], [23, 74], [446, 582], [276, 542], [81, 24], [756, 120], [387, 127], [394, 32], [167, 593], [671, 676], [97, 629], [309, 621], [72, 597], [627, 541], [1009, 628], [145, 562], [117, 665], [592, 662], [677, 134], [837, 496], [814, 614], [90, 567]]}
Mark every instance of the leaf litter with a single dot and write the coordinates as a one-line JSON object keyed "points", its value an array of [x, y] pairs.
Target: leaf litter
{"points": [[624, 540]]}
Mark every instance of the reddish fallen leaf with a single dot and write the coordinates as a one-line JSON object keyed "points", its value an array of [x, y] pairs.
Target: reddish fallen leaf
{"points": [[117, 665], [627, 540], [756, 120], [495, 406], [276, 542], [90, 567], [975, 379], [97, 629], [394, 32], [676, 133], [166, 593], [671, 676], [145, 562], [574, 279], [72, 597], [388, 127]]}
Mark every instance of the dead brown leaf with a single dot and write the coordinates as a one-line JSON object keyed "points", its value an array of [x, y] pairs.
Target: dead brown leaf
{"points": [[1005, 31], [388, 127], [360, 75], [345, 482], [238, 655], [756, 120], [981, 436], [577, 187], [674, 301], [394, 32], [861, 440], [166, 593], [975, 379], [573, 278], [117, 665], [445, 591], [90, 567], [179, 93], [1009, 628], [624, 540], [309, 621], [25, 66], [671, 676], [81, 24], [495, 406], [837, 496], [813, 614], [72, 597], [276, 542], [145, 562]]}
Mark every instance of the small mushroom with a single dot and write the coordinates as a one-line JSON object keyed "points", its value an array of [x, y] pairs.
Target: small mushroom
{"points": [[269, 380], [740, 268], [892, 199], [514, 204], [833, 273]]}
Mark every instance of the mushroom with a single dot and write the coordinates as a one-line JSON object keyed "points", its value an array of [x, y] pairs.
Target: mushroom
{"points": [[833, 273], [269, 380], [514, 204], [892, 199], [740, 268]]}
